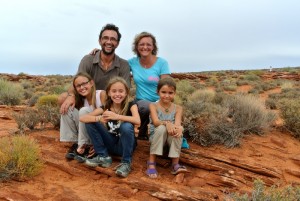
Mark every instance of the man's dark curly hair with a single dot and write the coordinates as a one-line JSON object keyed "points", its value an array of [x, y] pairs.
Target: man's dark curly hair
{"points": [[110, 27]]}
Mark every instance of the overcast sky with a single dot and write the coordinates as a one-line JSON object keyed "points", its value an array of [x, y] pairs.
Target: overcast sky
{"points": [[43, 37]]}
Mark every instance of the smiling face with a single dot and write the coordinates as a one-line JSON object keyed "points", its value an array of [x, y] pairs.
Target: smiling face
{"points": [[109, 41], [83, 85], [145, 46], [117, 92], [166, 93]]}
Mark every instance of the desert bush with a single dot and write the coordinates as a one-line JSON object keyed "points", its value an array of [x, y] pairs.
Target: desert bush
{"points": [[49, 100], [59, 89], [48, 110], [26, 84], [276, 99], [49, 114], [290, 112], [287, 85], [27, 118], [184, 89], [251, 77], [10, 93], [213, 81], [230, 87], [273, 193], [19, 158], [241, 82], [228, 121]]}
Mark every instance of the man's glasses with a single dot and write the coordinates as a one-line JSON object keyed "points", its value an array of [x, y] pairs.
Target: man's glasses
{"points": [[78, 86], [107, 38]]}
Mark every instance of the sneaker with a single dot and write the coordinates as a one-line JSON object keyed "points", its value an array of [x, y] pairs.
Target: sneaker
{"points": [[71, 152], [99, 161], [81, 158], [123, 169]]}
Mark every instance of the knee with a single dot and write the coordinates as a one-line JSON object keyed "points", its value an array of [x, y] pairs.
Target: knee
{"points": [[126, 128], [161, 129], [84, 110]]}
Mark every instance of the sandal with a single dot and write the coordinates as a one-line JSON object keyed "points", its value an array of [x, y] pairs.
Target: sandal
{"points": [[177, 168], [151, 172]]}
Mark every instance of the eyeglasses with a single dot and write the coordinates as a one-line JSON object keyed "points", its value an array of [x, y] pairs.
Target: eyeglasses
{"points": [[107, 38], [78, 86]]}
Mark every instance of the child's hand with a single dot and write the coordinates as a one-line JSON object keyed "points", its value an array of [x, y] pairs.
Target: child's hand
{"points": [[178, 131], [136, 130], [109, 115], [170, 129]]}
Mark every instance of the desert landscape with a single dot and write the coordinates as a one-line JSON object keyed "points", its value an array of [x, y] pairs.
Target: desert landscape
{"points": [[214, 171]]}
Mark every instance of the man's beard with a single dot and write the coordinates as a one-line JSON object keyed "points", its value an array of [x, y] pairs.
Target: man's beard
{"points": [[108, 53]]}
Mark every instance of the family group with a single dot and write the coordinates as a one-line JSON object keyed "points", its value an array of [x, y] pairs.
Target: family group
{"points": [[101, 119]]}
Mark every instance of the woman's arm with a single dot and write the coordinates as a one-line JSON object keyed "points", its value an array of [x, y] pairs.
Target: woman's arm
{"points": [[93, 116]]}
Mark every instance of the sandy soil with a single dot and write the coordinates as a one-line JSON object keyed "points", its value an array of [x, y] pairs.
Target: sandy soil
{"points": [[273, 157]]}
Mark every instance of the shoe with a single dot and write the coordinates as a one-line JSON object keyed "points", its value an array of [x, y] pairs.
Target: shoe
{"points": [[88, 154], [71, 152], [123, 169], [99, 161], [81, 157]]}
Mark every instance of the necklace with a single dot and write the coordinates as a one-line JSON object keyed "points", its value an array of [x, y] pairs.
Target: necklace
{"points": [[166, 108]]}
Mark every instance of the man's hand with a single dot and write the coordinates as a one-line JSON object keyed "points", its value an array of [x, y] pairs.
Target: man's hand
{"points": [[69, 102], [94, 51]]}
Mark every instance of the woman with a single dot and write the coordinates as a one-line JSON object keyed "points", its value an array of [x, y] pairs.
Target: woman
{"points": [[147, 69]]}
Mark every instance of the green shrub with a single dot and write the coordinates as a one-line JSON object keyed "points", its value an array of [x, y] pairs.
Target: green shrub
{"points": [[226, 122], [59, 89], [251, 77], [184, 89], [230, 87], [10, 93], [48, 110], [241, 82], [19, 158], [290, 112], [27, 118], [261, 193], [47, 100], [49, 114]]}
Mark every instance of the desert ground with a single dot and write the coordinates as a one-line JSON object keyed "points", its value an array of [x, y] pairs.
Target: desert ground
{"points": [[214, 171]]}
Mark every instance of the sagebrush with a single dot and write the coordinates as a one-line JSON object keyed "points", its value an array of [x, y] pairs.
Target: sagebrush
{"points": [[20, 158]]}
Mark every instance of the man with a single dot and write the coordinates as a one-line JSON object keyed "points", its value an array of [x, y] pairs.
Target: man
{"points": [[102, 66]]}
